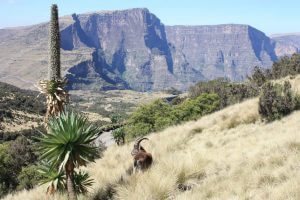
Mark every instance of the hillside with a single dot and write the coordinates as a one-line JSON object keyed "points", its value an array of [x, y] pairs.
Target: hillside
{"points": [[19, 109], [22, 109], [133, 49], [229, 154]]}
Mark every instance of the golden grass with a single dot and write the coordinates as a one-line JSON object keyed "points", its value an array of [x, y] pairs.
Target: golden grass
{"points": [[228, 155]]}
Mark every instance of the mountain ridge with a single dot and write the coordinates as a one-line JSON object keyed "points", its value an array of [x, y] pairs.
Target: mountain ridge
{"points": [[133, 49]]}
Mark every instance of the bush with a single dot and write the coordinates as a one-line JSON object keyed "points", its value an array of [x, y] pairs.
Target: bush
{"points": [[229, 93], [28, 177], [192, 109], [148, 118], [258, 77], [14, 158], [115, 118], [286, 66], [277, 101], [8, 179], [159, 115], [177, 100], [119, 135]]}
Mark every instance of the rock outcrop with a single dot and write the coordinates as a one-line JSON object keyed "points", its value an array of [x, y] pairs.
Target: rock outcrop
{"points": [[286, 44], [132, 49]]}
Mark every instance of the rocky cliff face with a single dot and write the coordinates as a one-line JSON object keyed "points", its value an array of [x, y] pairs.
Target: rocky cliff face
{"points": [[286, 44], [132, 49], [222, 50]]}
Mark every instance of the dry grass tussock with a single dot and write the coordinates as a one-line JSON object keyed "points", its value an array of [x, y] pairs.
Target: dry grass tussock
{"points": [[227, 155]]}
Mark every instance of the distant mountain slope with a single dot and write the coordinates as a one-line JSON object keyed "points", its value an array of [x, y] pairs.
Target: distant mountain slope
{"points": [[132, 49], [221, 50], [287, 44]]}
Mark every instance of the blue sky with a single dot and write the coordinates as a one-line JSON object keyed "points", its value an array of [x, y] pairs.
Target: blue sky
{"points": [[270, 16]]}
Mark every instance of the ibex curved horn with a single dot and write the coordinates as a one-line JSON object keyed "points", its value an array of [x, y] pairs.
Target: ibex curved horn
{"points": [[137, 142]]}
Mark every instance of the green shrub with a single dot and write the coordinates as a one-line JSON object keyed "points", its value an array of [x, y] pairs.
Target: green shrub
{"points": [[177, 100], [159, 115], [119, 135], [138, 129], [258, 77], [82, 182], [28, 177], [8, 179], [229, 93], [192, 109], [277, 101], [286, 66], [148, 118], [115, 118], [15, 156]]}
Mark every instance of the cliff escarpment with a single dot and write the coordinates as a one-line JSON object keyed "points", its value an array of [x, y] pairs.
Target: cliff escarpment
{"points": [[133, 49]]}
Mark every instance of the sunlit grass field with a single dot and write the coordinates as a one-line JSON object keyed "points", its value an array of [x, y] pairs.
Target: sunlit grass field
{"points": [[228, 155]]}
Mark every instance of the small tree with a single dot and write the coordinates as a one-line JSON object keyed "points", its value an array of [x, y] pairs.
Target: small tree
{"points": [[68, 144], [276, 101], [258, 77]]}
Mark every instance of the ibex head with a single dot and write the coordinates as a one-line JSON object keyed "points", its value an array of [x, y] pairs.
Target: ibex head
{"points": [[137, 147]]}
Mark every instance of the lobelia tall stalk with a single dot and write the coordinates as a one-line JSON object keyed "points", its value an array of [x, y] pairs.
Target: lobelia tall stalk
{"points": [[53, 88], [54, 46]]}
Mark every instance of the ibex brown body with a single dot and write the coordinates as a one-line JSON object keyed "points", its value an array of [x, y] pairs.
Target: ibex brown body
{"points": [[141, 159]]}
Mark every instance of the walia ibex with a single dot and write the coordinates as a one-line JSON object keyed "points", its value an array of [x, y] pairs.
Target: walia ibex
{"points": [[141, 159]]}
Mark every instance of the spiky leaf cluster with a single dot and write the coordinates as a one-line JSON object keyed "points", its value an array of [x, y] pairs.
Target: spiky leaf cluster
{"points": [[52, 177], [69, 139], [82, 182], [56, 180]]}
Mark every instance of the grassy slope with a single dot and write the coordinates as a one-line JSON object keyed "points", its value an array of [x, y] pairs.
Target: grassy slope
{"points": [[229, 154]]}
